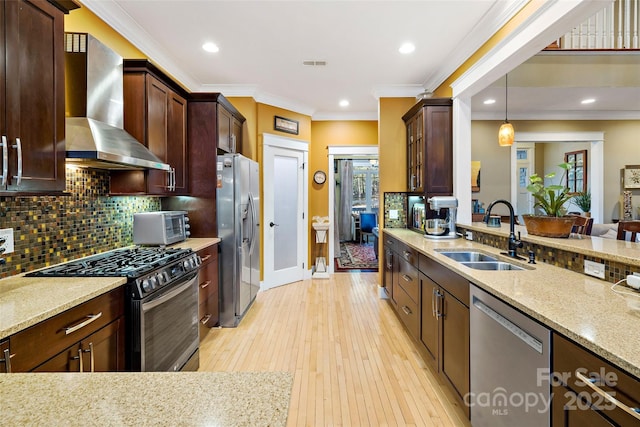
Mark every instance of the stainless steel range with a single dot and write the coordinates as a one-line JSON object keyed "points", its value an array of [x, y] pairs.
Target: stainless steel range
{"points": [[162, 288]]}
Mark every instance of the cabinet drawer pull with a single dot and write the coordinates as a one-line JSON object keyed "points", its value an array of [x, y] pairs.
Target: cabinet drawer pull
{"points": [[205, 258], [407, 255], [434, 296], [407, 278], [89, 319], [205, 284], [205, 319], [7, 360], [406, 310], [606, 396]]}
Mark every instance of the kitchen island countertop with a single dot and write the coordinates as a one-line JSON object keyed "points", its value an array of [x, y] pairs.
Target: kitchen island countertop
{"points": [[147, 399], [578, 306]]}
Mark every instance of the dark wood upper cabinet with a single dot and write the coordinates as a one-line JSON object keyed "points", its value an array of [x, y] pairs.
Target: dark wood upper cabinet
{"points": [[155, 113], [32, 96], [430, 147]]}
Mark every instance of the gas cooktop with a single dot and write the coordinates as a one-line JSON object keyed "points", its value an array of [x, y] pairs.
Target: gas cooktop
{"points": [[132, 263]]}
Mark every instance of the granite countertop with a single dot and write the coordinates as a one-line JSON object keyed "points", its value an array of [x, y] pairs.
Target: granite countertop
{"points": [[578, 306], [147, 399], [607, 249], [25, 301]]}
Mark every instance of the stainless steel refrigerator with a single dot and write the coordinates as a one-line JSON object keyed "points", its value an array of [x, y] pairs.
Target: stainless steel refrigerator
{"points": [[238, 216]]}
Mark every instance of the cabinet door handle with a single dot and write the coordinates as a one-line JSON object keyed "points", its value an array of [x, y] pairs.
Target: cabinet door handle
{"points": [[406, 310], [7, 360], [18, 146], [407, 278], [233, 143], [205, 284], [88, 319], [606, 396], [440, 304], [205, 258], [5, 161], [413, 182], [92, 358], [434, 297], [205, 319], [79, 357]]}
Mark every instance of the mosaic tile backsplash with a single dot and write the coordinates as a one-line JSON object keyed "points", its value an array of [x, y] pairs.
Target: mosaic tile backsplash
{"points": [[397, 202], [614, 271], [52, 229]]}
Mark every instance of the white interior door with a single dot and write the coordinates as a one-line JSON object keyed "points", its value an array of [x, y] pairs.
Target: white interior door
{"points": [[284, 220]]}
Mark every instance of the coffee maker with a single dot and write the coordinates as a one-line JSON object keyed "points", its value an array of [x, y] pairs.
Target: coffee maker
{"points": [[439, 228]]}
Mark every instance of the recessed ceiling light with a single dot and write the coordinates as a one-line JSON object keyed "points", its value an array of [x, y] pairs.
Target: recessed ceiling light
{"points": [[210, 47], [407, 48], [489, 101], [588, 101], [344, 103]]}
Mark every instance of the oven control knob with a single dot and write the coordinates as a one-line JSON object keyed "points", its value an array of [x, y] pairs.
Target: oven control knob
{"points": [[146, 285], [160, 278], [154, 282]]}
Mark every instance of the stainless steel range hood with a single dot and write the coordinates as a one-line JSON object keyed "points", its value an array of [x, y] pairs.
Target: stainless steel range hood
{"points": [[94, 109]]}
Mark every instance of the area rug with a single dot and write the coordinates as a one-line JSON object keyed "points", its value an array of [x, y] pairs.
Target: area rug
{"points": [[356, 257]]}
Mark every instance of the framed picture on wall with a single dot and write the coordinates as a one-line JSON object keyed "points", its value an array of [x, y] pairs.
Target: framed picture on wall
{"points": [[285, 125], [475, 176], [632, 176]]}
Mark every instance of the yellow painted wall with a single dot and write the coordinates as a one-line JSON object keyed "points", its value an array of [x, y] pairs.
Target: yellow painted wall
{"points": [[84, 21], [444, 90], [392, 153], [248, 107]]}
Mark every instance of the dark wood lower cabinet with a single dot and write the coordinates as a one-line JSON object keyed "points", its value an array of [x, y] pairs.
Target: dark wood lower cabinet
{"points": [[582, 384], [95, 329], [454, 357], [102, 351], [208, 295]]}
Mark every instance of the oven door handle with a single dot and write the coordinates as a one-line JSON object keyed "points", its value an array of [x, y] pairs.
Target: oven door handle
{"points": [[148, 305]]}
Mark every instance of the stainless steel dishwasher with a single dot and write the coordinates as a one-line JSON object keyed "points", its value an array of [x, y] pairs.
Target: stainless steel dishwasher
{"points": [[510, 365]]}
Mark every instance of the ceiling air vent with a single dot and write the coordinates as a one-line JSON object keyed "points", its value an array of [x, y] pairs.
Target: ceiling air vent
{"points": [[314, 63]]}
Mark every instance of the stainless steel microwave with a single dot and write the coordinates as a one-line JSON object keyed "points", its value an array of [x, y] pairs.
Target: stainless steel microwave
{"points": [[160, 228]]}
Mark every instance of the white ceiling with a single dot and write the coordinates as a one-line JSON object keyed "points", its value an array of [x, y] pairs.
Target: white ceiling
{"points": [[263, 44]]}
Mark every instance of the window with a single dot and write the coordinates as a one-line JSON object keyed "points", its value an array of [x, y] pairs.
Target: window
{"points": [[577, 175], [366, 185]]}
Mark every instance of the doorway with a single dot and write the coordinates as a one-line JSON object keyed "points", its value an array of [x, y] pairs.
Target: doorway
{"points": [[596, 174], [284, 222], [353, 202]]}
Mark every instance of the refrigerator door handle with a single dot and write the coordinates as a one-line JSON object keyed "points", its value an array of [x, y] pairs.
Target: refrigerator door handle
{"points": [[254, 222]]}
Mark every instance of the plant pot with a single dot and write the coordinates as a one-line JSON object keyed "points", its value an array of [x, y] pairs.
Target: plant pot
{"points": [[549, 226]]}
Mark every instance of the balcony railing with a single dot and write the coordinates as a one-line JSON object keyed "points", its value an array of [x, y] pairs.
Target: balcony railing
{"points": [[614, 27]]}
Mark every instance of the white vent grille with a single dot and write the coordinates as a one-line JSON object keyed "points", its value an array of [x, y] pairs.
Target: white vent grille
{"points": [[75, 42], [314, 63]]}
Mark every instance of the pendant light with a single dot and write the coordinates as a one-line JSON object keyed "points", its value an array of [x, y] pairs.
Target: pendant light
{"points": [[506, 133]]}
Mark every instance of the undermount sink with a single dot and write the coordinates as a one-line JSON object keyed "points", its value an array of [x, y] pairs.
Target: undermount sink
{"points": [[492, 265], [479, 260], [467, 256]]}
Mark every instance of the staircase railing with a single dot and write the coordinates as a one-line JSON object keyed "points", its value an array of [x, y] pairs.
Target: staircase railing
{"points": [[614, 27]]}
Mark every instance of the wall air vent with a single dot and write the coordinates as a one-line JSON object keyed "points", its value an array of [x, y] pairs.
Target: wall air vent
{"points": [[314, 63]]}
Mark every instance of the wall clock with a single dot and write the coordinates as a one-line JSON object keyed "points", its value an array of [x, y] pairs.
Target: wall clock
{"points": [[319, 177]]}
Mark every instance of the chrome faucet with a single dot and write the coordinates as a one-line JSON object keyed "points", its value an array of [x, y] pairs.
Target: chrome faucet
{"points": [[514, 243]]}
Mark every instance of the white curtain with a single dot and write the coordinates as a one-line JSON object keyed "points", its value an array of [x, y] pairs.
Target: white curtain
{"points": [[346, 200]]}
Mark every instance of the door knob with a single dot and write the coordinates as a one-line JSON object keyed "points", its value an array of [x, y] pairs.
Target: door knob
{"points": [[272, 224]]}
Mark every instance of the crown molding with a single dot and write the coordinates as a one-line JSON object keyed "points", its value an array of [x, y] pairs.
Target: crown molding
{"points": [[396, 91], [550, 20], [114, 16], [496, 17], [366, 116]]}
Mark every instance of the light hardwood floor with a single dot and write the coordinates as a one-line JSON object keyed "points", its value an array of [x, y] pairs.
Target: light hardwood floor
{"points": [[353, 363]]}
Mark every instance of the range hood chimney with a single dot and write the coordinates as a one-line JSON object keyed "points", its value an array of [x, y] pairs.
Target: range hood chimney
{"points": [[94, 109]]}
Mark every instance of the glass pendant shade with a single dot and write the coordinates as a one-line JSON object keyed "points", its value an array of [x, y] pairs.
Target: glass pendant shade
{"points": [[506, 134]]}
